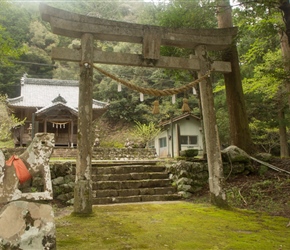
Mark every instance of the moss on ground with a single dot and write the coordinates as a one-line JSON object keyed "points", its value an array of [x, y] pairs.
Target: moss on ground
{"points": [[180, 225]]}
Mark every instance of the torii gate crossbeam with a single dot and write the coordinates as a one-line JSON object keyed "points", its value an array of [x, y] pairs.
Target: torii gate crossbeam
{"points": [[89, 29]]}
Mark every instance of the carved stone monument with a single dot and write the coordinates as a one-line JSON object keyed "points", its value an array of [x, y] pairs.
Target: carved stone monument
{"points": [[24, 224]]}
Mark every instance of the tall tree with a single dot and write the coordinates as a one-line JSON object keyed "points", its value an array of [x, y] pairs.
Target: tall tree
{"points": [[285, 49], [268, 26], [268, 103], [10, 49], [239, 128]]}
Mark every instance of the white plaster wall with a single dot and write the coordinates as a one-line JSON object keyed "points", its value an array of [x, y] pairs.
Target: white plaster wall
{"points": [[187, 127]]}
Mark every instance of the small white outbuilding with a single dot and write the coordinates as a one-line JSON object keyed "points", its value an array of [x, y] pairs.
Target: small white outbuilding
{"points": [[177, 134]]}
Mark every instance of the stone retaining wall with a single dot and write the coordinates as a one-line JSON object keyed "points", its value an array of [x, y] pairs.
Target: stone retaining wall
{"points": [[97, 153], [190, 177], [62, 178], [110, 153], [124, 153]]}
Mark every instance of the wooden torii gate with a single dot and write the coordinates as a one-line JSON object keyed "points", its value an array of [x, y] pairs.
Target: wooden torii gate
{"points": [[89, 29]]}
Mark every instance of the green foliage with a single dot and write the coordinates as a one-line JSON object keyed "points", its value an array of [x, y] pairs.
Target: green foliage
{"points": [[190, 14], [7, 48], [10, 47], [258, 33], [145, 132], [111, 144], [7, 144], [262, 68], [25, 38], [7, 122], [265, 94], [265, 135], [189, 152], [27, 56]]}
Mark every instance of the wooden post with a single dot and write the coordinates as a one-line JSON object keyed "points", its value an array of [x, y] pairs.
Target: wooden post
{"points": [[33, 131], [83, 184], [214, 160], [71, 133], [45, 125]]}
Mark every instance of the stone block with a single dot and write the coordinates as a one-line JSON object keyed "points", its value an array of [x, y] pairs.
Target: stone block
{"points": [[129, 192], [147, 191], [58, 181], [234, 154], [27, 225]]}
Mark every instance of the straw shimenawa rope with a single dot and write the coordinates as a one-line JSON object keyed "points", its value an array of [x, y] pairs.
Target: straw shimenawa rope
{"points": [[154, 92]]}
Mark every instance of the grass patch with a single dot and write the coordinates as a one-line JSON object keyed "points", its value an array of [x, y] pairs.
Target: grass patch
{"points": [[7, 144], [172, 226]]}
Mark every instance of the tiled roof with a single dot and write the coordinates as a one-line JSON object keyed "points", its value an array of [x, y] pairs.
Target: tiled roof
{"points": [[177, 118], [56, 104], [41, 92]]}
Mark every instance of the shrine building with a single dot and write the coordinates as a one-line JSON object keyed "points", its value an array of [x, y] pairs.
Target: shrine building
{"points": [[51, 106]]}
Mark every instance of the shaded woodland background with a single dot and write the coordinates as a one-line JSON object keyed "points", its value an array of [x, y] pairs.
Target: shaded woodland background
{"points": [[26, 42]]}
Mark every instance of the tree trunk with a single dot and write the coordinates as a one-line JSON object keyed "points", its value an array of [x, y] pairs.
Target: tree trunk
{"points": [[239, 126], [284, 151], [286, 59]]}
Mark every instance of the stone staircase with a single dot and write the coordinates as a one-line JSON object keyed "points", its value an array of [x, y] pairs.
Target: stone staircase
{"points": [[131, 181]]}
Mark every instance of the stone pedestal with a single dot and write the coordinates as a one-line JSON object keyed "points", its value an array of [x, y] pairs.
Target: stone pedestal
{"points": [[27, 225]]}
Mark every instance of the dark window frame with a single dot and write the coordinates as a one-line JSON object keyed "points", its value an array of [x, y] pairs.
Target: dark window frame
{"points": [[188, 139], [162, 142]]}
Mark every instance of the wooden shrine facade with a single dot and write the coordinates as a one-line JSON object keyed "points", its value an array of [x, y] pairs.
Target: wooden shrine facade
{"points": [[49, 105]]}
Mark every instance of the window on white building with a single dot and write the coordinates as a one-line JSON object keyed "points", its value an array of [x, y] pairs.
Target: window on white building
{"points": [[188, 139], [162, 142]]}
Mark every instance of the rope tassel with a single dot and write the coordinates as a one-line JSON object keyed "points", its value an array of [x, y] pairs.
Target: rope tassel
{"points": [[155, 107], [185, 107]]}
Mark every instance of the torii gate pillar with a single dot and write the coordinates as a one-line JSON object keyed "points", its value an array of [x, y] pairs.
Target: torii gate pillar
{"points": [[83, 184], [213, 152]]}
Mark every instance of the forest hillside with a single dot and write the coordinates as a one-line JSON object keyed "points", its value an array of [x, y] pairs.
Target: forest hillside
{"points": [[26, 43]]}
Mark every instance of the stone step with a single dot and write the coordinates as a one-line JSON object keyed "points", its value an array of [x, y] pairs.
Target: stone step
{"points": [[125, 169], [129, 176], [137, 198], [131, 181], [131, 184], [133, 192], [120, 163]]}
